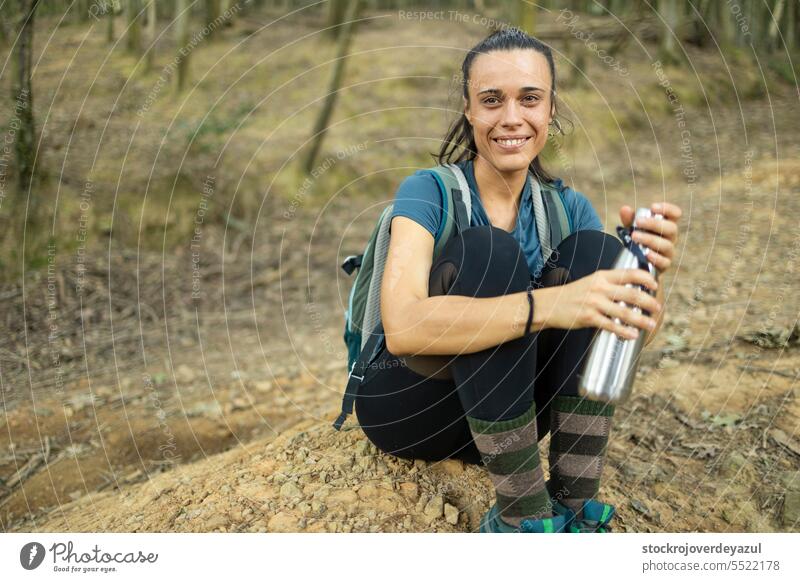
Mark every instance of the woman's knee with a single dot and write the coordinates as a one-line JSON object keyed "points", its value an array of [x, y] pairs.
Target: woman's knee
{"points": [[481, 261], [584, 252]]}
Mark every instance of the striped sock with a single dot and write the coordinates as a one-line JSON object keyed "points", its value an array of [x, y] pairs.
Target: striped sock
{"points": [[510, 451], [579, 435]]}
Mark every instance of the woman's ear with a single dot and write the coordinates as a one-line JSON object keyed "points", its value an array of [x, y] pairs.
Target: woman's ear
{"points": [[466, 110]]}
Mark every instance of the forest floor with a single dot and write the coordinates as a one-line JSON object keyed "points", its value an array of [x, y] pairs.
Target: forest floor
{"points": [[213, 414]]}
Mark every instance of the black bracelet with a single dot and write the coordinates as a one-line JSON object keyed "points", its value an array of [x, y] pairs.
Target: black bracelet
{"points": [[530, 309]]}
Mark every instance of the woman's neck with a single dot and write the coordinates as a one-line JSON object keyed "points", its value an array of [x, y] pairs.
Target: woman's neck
{"points": [[496, 186]]}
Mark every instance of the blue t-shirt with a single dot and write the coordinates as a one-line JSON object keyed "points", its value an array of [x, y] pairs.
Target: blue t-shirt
{"points": [[419, 199]]}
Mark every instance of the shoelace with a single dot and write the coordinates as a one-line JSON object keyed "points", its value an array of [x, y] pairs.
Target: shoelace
{"points": [[591, 525]]}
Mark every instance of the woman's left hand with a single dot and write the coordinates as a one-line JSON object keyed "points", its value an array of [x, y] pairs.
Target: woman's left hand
{"points": [[662, 235]]}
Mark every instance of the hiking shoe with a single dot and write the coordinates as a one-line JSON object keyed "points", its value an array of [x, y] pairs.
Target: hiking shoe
{"points": [[491, 523], [565, 512], [595, 519]]}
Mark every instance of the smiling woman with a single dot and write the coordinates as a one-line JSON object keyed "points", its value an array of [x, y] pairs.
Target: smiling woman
{"points": [[489, 321]]}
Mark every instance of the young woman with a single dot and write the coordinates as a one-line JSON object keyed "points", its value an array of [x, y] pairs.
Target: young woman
{"points": [[475, 369]]}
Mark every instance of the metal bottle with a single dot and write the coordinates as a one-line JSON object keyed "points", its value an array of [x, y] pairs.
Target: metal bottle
{"points": [[610, 368]]}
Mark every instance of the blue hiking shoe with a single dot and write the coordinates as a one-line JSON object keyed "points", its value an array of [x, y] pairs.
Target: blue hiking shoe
{"points": [[491, 523], [595, 518], [565, 512]]}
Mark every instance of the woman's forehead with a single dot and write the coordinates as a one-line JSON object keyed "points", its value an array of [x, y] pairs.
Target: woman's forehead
{"points": [[509, 71]]}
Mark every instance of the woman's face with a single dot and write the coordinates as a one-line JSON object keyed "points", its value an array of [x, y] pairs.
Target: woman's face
{"points": [[510, 98]]}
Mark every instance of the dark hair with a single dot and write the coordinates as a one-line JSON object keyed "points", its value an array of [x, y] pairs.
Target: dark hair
{"points": [[460, 134]]}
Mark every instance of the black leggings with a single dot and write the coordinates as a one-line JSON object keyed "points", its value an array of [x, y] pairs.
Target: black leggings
{"points": [[415, 416]]}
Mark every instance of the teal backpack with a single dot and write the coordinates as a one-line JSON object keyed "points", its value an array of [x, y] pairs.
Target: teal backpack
{"points": [[363, 330]]}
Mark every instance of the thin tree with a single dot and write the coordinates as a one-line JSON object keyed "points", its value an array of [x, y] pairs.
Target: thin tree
{"points": [[526, 16], [336, 16], [22, 94], [321, 126], [669, 10], [182, 39], [151, 35], [134, 38], [211, 17], [110, 21]]}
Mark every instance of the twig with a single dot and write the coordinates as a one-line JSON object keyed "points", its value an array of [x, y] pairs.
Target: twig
{"points": [[792, 376]]}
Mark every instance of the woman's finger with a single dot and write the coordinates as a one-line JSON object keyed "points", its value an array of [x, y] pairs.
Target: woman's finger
{"points": [[635, 296], [654, 242], [665, 228], [628, 316], [633, 276], [667, 210], [602, 321], [660, 262]]}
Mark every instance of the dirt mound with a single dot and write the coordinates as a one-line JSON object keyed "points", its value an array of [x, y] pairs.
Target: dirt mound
{"points": [[310, 478], [313, 479]]}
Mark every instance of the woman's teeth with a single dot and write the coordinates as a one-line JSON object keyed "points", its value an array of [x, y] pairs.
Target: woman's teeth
{"points": [[512, 142]]}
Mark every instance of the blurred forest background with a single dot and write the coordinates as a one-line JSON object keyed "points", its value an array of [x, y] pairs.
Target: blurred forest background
{"points": [[179, 181]]}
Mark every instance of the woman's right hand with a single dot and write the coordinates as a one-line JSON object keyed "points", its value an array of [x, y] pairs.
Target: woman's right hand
{"points": [[593, 301]]}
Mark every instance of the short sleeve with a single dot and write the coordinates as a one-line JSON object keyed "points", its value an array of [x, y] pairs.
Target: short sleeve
{"points": [[584, 216], [418, 198]]}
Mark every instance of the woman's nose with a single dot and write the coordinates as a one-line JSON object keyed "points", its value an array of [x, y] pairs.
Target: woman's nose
{"points": [[511, 113]]}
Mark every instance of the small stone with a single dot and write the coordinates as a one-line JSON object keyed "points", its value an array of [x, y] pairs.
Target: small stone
{"points": [[734, 465], [450, 514], [369, 492], [282, 522], [791, 508], [434, 508], [290, 491], [410, 491], [452, 467], [790, 480]]}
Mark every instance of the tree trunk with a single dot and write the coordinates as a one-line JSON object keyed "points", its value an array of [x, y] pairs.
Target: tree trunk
{"points": [[182, 39], [22, 106], [212, 14], [725, 25], [790, 26], [325, 114], [526, 17], [134, 38], [774, 23], [151, 35], [110, 23], [670, 14], [336, 15]]}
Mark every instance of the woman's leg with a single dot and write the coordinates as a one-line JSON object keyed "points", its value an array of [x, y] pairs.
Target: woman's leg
{"points": [[413, 417], [580, 427], [496, 385], [406, 412]]}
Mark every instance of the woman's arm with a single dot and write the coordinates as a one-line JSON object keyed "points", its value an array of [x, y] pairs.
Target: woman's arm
{"points": [[415, 323], [447, 324]]}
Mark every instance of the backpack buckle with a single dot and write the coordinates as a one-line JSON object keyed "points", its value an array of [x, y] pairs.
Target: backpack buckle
{"points": [[351, 263]]}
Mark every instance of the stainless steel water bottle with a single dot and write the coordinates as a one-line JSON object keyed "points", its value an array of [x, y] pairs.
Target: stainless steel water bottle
{"points": [[610, 369]]}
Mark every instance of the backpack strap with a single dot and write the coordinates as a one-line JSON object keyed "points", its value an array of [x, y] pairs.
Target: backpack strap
{"points": [[456, 203], [368, 353], [552, 220]]}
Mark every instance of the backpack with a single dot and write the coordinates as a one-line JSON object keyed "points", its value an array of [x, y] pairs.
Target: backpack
{"points": [[363, 329]]}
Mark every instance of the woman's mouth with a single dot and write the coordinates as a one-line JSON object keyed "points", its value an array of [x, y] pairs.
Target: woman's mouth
{"points": [[511, 144]]}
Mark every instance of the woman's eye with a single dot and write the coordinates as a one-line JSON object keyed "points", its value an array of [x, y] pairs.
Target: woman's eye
{"points": [[491, 101], [531, 98]]}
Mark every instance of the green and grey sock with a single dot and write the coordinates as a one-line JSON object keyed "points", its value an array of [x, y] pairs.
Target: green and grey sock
{"points": [[510, 451], [579, 436]]}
